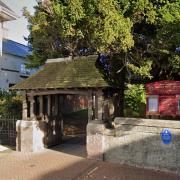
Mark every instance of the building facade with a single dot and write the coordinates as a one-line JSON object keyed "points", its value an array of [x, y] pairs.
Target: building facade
{"points": [[12, 54], [163, 99], [13, 64], [6, 14]]}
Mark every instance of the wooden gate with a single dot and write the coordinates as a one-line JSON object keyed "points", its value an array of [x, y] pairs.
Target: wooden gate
{"points": [[53, 131]]}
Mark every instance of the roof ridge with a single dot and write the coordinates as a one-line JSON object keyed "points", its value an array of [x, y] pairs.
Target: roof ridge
{"points": [[70, 59]]}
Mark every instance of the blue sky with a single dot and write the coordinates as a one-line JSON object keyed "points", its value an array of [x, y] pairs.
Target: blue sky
{"points": [[18, 28]]}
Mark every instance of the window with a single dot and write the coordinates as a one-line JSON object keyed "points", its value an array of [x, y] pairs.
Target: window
{"points": [[23, 69], [153, 103]]}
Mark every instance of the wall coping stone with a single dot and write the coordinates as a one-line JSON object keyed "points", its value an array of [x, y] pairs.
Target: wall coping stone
{"points": [[125, 126], [174, 124]]}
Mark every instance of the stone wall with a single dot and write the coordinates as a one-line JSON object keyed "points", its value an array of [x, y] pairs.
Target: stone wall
{"points": [[136, 142], [29, 136]]}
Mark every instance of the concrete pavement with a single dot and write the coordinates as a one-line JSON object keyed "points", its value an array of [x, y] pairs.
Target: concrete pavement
{"points": [[67, 162]]}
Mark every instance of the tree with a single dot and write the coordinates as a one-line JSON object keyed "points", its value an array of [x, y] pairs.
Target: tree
{"points": [[10, 104], [139, 36]]}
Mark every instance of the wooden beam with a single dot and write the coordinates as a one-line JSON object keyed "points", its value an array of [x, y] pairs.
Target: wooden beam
{"points": [[32, 115], [90, 112], [56, 105], [48, 92], [49, 105], [24, 108], [100, 106], [41, 106]]}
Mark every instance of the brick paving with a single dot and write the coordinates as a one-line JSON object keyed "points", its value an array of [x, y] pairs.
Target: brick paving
{"points": [[64, 163]]}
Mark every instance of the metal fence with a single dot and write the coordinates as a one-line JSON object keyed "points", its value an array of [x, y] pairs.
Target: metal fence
{"points": [[8, 131]]}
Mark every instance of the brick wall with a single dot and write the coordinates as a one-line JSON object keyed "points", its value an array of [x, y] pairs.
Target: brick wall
{"points": [[72, 103]]}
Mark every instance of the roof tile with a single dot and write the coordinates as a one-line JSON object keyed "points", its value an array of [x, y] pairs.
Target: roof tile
{"points": [[79, 73]]}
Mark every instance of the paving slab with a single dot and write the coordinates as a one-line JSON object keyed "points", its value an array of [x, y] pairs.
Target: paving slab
{"points": [[64, 163]]}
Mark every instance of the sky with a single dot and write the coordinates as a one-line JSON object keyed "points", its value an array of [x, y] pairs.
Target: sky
{"points": [[18, 28]]}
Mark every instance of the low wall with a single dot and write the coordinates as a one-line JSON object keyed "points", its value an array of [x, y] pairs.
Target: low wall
{"points": [[136, 142]]}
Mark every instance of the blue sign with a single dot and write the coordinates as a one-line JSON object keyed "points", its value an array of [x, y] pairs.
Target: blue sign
{"points": [[166, 136]]}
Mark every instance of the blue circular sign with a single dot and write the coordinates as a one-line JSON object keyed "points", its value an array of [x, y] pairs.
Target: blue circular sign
{"points": [[166, 136]]}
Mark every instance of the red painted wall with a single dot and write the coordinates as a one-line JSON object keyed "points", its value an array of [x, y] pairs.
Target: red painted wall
{"points": [[167, 105], [168, 93]]}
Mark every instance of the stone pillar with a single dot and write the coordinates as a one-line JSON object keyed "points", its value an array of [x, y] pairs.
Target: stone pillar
{"points": [[41, 106], [30, 136], [95, 140]]}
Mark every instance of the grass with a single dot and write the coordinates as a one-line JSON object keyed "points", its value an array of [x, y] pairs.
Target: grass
{"points": [[81, 114], [75, 122]]}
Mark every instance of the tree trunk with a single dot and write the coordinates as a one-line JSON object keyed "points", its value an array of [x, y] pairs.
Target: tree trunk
{"points": [[118, 101], [118, 95]]}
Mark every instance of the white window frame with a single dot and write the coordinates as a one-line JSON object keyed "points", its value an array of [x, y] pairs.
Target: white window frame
{"points": [[157, 103]]}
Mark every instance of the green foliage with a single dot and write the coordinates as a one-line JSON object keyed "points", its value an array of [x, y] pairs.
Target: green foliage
{"points": [[145, 33], [143, 70], [62, 28], [10, 104], [135, 99], [140, 36], [175, 63]]}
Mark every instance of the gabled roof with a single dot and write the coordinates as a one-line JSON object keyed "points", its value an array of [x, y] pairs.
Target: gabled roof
{"points": [[14, 48], [79, 73]]}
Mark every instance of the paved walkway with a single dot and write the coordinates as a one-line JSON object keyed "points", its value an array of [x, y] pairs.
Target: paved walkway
{"points": [[64, 163]]}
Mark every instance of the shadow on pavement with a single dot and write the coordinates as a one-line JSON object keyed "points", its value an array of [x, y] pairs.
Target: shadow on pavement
{"points": [[73, 145]]}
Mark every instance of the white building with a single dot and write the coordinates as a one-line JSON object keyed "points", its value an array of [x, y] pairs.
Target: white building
{"points": [[6, 14], [12, 54]]}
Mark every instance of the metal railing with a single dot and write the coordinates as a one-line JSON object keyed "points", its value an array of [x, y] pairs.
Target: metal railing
{"points": [[8, 131]]}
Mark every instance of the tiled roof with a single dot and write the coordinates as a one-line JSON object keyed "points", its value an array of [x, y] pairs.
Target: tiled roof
{"points": [[79, 73], [14, 48]]}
